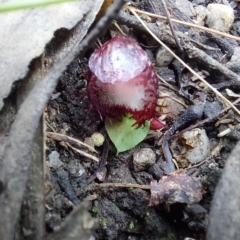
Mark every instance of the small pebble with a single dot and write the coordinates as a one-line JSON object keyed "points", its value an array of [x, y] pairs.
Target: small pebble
{"points": [[75, 168], [211, 108], [163, 57], [185, 7], [220, 17], [234, 63], [199, 144], [101, 175], [143, 158], [54, 160], [197, 210], [198, 2], [55, 95], [202, 12], [213, 166], [89, 142]]}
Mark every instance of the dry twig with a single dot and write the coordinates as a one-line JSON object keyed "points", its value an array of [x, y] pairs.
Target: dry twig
{"points": [[124, 185], [68, 140], [170, 25], [61, 137], [189, 24], [83, 153]]}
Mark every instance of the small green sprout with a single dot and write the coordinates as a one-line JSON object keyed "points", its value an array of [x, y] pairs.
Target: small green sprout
{"points": [[94, 210], [170, 235], [117, 209], [131, 225], [103, 222], [131, 189], [17, 5]]}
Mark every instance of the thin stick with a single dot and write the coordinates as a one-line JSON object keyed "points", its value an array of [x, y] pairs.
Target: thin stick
{"points": [[198, 164], [102, 163], [62, 137], [171, 26], [174, 99], [166, 83], [99, 42], [118, 27], [187, 24], [125, 185], [183, 63], [83, 153]]}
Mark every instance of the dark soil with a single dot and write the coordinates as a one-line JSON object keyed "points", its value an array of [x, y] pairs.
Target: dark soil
{"points": [[122, 212]]}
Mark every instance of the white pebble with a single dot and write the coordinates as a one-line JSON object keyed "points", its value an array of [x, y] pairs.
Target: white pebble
{"points": [[199, 144], [163, 57], [143, 158], [220, 17], [202, 13], [75, 168], [54, 160]]}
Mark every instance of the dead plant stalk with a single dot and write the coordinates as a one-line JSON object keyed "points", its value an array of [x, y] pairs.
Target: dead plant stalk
{"points": [[188, 24]]}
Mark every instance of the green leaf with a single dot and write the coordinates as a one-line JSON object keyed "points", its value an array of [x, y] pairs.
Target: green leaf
{"points": [[124, 135], [17, 5]]}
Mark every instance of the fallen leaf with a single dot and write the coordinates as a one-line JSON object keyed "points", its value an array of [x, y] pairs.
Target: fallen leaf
{"points": [[105, 6], [177, 187], [25, 33], [21, 139]]}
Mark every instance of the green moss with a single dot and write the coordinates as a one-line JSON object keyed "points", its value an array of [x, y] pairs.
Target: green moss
{"points": [[117, 209], [131, 225], [94, 210], [170, 235], [130, 189], [103, 222]]}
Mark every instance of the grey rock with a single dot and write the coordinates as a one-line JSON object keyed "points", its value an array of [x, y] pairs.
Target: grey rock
{"points": [[54, 160], [143, 158], [211, 109], [220, 17], [163, 57], [75, 169]]}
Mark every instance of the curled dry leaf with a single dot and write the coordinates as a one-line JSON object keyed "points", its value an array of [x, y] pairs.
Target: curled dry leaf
{"points": [[25, 33], [177, 187]]}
